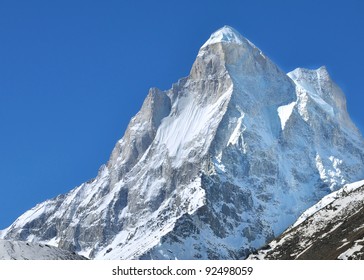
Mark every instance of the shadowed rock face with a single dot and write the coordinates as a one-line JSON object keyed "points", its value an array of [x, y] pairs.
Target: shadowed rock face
{"points": [[216, 166], [336, 231]]}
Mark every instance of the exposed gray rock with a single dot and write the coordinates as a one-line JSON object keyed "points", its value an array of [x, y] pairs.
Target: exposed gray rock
{"points": [[21, 250]]}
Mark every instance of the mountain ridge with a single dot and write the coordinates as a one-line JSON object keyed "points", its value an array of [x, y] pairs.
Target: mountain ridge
{"points": [[21, 250], [331, 229]]}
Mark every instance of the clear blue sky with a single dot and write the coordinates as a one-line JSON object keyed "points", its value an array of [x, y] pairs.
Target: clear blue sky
{"points": [[73, 73]]}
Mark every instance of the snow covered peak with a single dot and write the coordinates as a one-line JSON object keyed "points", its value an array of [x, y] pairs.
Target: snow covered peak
{"points": [[223, 161], [318, 87], [228, 35], [303, 73], [225, 34], [228, 52]]}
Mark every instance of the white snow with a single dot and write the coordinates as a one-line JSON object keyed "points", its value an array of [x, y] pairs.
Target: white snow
{"points": [[238, 132], [330, 172], [327, 200], [225, 34], [308, 83], [344, 243], [284, 112], [349, 252], [347, 200], [195, 195], [302, 102], [133, 242], [320, 167], [31, 214], [53, 242], [190, 126]]}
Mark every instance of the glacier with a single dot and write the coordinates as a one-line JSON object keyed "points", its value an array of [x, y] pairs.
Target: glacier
{"points": [[214, 167]]}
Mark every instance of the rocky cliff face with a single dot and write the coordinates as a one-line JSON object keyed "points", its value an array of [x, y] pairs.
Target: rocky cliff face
{"points": [[216, 166]]}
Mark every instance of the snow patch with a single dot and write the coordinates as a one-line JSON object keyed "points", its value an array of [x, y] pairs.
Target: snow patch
{"points": [[238, 133], [351, 251], [330, 171], [284, 112], [195, 195]]}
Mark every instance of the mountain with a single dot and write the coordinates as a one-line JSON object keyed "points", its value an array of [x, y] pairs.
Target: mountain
{"points": [[213, 168], [331, 229], [20, 250]]}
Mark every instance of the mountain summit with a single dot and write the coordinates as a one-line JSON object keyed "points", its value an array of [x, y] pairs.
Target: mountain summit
{"points": [[226, 34], [213, 168]]}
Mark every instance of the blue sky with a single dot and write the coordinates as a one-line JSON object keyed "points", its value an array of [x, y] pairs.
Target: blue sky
{"points": [[73, 73]]}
